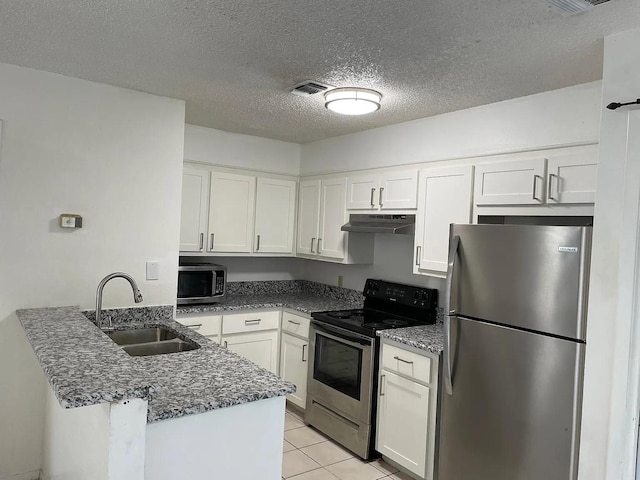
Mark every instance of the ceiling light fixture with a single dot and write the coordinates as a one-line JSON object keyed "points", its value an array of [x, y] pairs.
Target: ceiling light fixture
{"points": [[352, 101]]}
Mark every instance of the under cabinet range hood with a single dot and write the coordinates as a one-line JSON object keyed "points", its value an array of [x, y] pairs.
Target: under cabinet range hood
{"points": [[396, 224]]}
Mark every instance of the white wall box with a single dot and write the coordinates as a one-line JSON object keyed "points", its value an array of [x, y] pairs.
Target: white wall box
{"points": [[231, 212], [195, 209], [445, 197], [294, 355], [321, 214], [205, 324], [275, 215], [253, 334], [407, 408], [392, 190]]}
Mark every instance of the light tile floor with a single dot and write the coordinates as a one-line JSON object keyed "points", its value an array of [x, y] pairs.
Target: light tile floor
{"points": [[309, 455]]}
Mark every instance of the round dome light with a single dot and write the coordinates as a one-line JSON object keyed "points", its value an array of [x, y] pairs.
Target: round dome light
{"points": [[352, 101]]}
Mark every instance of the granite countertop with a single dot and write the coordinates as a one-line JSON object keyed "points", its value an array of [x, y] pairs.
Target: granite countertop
{"points": [[424, 337], [84, 367]]}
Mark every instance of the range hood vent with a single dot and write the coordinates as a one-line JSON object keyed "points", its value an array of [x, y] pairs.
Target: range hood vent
{"points": [[396, 224]]}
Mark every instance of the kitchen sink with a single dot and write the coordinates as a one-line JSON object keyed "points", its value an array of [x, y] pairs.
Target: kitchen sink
{"points": [[151, 341]]}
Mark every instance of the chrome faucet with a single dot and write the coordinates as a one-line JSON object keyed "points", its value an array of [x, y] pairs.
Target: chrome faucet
{"points": [[137, 296]]}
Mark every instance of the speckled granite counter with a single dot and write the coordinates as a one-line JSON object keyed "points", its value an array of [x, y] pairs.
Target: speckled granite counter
{"points": [[84, 367], [424, 337], [299, 295]]}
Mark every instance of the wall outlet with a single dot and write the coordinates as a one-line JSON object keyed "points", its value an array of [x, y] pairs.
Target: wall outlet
{"points": [[153, 270], [340, 280]]}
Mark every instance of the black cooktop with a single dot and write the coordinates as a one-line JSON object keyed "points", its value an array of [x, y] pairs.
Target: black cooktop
{"points": [[386, 305]]}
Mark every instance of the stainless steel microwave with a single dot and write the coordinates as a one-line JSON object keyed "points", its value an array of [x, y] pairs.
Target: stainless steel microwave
{"points": [[201, 283]]}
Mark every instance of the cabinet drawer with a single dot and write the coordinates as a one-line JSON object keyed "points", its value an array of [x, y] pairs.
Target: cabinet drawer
{"points": [[407, 363], [295, 324], [206, 325], [250, 322]]}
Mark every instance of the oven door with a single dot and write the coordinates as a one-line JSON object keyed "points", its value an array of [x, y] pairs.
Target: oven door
{"points": [[341, 370]]}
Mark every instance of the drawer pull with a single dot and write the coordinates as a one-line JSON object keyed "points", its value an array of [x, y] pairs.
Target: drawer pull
{"points": [[252, 322], [294, 322], [195, 326], [402, 359]]}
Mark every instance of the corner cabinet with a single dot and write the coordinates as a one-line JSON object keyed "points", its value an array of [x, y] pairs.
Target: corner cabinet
{"points": [[444, 197], [394, 190], [407, 404], [321, 214], [229, 213]]}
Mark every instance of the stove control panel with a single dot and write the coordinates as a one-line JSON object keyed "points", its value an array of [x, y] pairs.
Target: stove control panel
{"points": [[401, 294]]}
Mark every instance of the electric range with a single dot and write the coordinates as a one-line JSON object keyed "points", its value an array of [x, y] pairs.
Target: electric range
{"points": [[343, 362]]}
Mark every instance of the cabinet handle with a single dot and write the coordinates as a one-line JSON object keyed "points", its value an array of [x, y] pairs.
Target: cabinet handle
{"points": [[318, 246], [295, 323], [225, 344], [373, 191], [381, 385], [550, 195], [312, 240], [303, 350], [418, 251], [251, 322], [201, 241], [402, 360], [258, 246], [211, 242], [535, 183], [380, 196], [195, 326]]}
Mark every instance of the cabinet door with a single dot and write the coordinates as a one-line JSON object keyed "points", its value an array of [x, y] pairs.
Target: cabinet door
{"points": [[332, 216], [518, 182], [398, 190], [444, 198], [275, 215], [362, 191], [572, 177], [260, 347], [195, 208], [308, 215], [231, 213], [293, 366], [403, 422]]}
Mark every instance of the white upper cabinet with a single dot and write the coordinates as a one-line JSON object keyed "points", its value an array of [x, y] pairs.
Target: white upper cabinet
{"points": [[331, 238], [445, 196], [194, 208], [517, 182], [573, 176], [275, 215], [308, 216], [394, 190], [231, 213]]}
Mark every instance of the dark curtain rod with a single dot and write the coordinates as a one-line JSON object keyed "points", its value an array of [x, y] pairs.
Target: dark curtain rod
{"points": [[616, 105]]}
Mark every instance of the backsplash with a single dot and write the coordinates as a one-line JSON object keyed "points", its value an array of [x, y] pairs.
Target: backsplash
{"points": [[278, 287], [133, 315]]}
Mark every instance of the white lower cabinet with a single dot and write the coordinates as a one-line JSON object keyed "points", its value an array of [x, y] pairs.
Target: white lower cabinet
{"points": [[406, 422], [294, 355], [259, 347], [205, 324]]}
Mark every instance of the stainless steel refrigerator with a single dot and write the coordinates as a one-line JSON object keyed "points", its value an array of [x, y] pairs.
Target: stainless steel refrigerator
{"points": [[514, 352]]}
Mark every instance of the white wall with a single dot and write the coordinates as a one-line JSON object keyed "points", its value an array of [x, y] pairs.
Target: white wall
{"points": [[216, 147], [608, 333], [243, 269], [560, 117], [113, 156]]}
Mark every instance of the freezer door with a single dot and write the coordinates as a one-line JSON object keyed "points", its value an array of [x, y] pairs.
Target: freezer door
{"points": [[513, 411], [527, 276]]}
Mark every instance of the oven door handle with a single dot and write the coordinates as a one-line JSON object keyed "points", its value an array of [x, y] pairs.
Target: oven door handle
{"points": [[343, 335]]}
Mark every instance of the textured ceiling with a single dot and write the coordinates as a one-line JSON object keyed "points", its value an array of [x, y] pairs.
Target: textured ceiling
{"points": [[233, 61]]}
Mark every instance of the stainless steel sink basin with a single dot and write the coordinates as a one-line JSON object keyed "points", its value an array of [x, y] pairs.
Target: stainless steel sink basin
{"points": [[151, 341], [142, 335]]}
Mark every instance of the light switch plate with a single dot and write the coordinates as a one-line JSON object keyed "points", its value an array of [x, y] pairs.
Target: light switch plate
{"points": [[153, 270]]}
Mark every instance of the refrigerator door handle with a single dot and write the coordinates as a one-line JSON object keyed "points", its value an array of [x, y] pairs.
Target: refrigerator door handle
{"points": [[448, 381], [453, 253]]}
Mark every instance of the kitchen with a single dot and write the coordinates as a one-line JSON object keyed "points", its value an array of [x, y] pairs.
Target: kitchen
{"points": [[40, 109]]}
